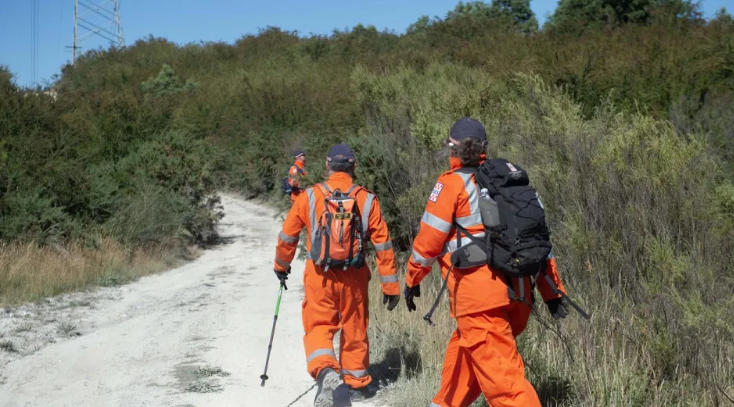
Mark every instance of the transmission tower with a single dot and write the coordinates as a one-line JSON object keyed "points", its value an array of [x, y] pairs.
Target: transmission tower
{"points": [[99, 18]]}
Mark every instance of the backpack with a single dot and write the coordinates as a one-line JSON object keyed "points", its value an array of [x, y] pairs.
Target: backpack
{"points": [[286, 186], [517, 238], [338, 241]]}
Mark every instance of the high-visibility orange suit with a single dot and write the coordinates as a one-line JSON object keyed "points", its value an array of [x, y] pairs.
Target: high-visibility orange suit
{"points": [[337, 297], [296, 175], [482, 356]]}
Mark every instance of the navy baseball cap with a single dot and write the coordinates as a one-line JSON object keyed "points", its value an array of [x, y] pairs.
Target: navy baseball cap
{"points": [[340, 153], [466, 127], [298, 153]]}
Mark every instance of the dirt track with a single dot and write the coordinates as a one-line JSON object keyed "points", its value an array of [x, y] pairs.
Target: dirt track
{"points": [[193, 336]]}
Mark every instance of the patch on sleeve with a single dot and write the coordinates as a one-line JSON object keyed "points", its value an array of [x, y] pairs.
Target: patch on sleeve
{"points": [[436, 192]]}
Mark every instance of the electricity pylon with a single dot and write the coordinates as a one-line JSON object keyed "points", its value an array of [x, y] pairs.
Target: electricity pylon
{"points": [[99, 18]]}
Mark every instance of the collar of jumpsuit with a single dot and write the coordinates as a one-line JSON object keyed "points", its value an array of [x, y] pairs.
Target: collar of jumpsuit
{"points": [[455, 162], [300, 164], [340, 180]]}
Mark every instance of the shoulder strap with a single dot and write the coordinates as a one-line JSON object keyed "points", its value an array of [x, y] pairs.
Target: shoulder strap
{"points": [[353, 189], [467, 170], [324, 188]]}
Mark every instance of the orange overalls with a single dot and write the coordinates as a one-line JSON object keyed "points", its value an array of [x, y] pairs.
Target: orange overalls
{"points": [[482, 355], [337, 297], [294, 178]]}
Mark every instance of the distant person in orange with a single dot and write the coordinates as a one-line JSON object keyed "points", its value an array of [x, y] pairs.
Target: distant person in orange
{"points": [[339, 217], [482, 356], [297, 174]]}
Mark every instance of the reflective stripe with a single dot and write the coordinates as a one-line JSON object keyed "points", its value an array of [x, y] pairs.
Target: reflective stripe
{"points": [[469, 221], [320, 352], [312, 212], [471, 192], [451, 245], [381, 247], [393, 278], [551, 255], [308, 256], [356, 373], [282, 263], [435, 405], [366, 213], [422, 260], [288, 239], [436, 222]]}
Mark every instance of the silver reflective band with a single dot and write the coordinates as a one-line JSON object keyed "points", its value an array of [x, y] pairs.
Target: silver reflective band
{"points": [[551, 255], [393, 278], [288, 239], [469, 221], [436, 222], [381, 247], [366, 213], [452, 245], [312, 212], [282, 262], [320, 352], [471, 192], [422, 260], [434, 405], [355, 373]]}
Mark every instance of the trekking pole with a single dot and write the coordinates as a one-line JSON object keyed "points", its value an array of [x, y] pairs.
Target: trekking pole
{"points": [[428, 316], [264, 376], [566, 297]]}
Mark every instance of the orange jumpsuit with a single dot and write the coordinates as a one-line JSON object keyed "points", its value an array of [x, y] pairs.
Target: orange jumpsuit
{"points": [[482, 355], [295, 178], [337, 297]]}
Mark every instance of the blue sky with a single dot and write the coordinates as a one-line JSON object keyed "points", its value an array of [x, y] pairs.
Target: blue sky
{"points": [[186, 21]]}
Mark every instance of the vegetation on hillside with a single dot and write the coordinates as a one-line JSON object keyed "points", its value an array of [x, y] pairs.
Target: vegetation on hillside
{"points": [[620, 110]]}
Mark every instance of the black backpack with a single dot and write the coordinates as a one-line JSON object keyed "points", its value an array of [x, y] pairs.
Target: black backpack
{"points": [[517, 238], [286, 186]]}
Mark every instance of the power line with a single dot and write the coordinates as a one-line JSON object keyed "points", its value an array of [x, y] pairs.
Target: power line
{"points": [[35, 12]]}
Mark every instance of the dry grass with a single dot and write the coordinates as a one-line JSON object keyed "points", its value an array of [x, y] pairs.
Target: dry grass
{"points": [[29, 273]]}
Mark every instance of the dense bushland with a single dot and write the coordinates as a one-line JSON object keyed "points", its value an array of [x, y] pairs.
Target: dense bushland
{"points": [[623, 119]]}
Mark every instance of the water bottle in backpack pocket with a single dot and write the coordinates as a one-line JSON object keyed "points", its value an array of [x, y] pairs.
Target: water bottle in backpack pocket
{"points": [[338, 240]]}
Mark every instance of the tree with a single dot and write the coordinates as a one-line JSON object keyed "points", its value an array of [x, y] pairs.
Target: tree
{"points": [[512, 14], [577, 15]]}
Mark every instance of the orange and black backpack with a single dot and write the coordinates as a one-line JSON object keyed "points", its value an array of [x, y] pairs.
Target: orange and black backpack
{"points": [[338, 240]]}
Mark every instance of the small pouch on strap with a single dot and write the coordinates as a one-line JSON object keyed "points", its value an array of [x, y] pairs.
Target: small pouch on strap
{"points": [[468, 256]]}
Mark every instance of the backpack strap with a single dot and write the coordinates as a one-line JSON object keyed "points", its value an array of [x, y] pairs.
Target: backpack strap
{"points": [[353, 188], [325, 188]]}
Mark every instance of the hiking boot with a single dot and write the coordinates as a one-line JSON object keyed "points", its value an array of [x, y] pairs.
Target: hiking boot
{"points": [[363, 393], [328, 380]]}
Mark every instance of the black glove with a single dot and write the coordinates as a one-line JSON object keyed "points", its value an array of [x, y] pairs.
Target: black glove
{"points": [[557, 308], [409, 293], [390, 300], [282, 276]]}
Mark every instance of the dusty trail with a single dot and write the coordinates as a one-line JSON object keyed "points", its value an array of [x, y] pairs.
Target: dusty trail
{"points": [[161, 340]]}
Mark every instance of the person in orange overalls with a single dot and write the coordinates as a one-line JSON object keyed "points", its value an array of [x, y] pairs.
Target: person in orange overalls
{"points": [[297, 174], [482, 356], [337, 297]]}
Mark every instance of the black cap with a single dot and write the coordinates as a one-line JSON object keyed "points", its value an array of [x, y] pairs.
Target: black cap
{"points": [[340, 153], [298, 153], [466, 127]]}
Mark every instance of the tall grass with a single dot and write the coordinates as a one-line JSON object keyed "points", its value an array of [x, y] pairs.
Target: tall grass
{"points": [[642, 223], [29, 272]]}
